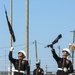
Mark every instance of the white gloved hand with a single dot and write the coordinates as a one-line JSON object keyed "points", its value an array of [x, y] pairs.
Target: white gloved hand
{"points": [[12, 48], [65, 70]]}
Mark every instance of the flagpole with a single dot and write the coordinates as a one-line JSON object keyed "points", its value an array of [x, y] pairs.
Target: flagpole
{"points": [[10, 35], [27, 29]]}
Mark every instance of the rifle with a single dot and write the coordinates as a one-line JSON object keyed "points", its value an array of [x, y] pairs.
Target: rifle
{"points": [[54, 42], [9, 26]]}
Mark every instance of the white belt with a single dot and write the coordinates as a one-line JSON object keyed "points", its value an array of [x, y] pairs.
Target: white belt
{"points": [[60, 69], [24, 72], [64, 69]]}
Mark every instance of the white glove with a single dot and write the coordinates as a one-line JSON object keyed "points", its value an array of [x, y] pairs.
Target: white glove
{"points": [[11, 49], [65, 70]]}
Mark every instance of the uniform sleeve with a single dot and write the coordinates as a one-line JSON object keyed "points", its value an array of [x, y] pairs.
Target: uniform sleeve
{"points": [[42, 72], [28, 68], [55, 56], [11, 58], [70, 68]]}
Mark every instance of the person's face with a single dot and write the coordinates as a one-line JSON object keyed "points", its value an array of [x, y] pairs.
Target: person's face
{"points": [[64, 54], [20, 55], [37, 65]]}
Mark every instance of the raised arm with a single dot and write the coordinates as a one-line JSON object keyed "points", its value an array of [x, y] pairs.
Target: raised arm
{"points": [[10, 55]]}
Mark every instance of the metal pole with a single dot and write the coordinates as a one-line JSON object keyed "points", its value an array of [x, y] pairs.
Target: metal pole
{"points": [[27, 29], [36, 50], [73, 50], [46, 69], [10, 35]]}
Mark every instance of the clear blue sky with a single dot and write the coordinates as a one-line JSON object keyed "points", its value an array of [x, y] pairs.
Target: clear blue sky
{"points": [[47, 19]]}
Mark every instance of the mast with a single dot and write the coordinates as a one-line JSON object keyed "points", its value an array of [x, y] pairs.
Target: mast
{"points": [[73, 43], [27, 29], [36, 51], [10, 35]]}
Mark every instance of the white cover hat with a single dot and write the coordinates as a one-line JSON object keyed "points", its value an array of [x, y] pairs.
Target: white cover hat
{"points": [[22, 52], [66, 49]]}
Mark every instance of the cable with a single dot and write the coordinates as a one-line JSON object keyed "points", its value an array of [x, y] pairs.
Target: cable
{"points": [[41, 43]]}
